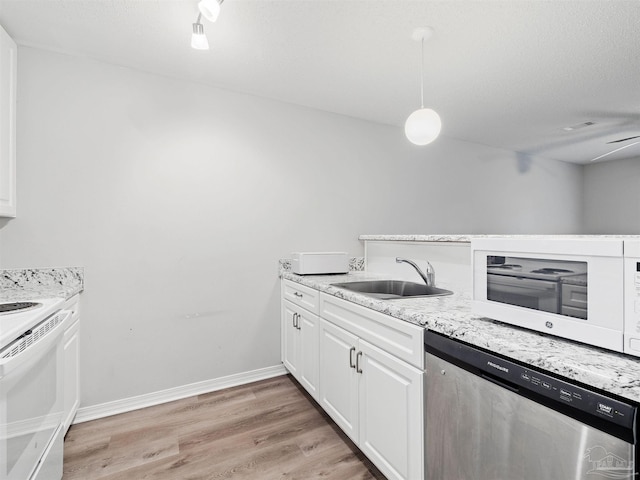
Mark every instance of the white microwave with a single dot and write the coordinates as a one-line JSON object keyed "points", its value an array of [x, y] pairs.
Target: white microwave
{"points": [[584, 288]]}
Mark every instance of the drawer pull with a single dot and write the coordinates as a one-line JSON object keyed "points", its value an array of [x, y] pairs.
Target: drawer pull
{"points": [[352, 350], [299, 295], [358, 369]]}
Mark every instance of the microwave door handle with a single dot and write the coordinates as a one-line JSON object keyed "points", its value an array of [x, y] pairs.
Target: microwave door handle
{"points": [[27, 358]]}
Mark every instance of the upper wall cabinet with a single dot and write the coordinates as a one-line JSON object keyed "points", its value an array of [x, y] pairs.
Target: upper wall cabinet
{"points": [[8, 76]]}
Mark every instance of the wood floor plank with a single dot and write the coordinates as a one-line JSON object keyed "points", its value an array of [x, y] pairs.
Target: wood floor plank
{"points": [[267, 430]]}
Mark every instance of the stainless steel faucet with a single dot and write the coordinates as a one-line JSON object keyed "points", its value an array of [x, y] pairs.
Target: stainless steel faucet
{"points": [[429, 276]]}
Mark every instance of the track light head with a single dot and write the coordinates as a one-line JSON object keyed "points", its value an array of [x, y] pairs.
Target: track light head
{"points": [[198, 38], [210, 9]]}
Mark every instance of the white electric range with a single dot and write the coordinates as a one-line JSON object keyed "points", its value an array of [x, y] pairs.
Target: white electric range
{"points": [[31, 389]]}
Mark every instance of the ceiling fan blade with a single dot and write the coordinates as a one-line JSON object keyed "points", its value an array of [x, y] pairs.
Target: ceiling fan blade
{"points": [[623, 139], [616, 150]]}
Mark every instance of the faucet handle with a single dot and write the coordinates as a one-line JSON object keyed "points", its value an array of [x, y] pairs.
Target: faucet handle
{"points": [[431, 273], [429, 276]]}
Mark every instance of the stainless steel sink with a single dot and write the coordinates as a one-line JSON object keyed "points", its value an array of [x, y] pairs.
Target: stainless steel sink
{"points": [[393, 289]]}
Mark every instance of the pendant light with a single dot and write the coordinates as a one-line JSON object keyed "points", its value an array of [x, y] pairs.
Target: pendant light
{"points": [[423, 126]]}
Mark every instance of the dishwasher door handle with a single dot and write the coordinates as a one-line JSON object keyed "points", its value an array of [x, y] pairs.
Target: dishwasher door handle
{"points": [[500, 383]]}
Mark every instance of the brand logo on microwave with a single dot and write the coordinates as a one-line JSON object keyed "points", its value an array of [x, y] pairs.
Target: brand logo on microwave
{"points": [[498, 367]]}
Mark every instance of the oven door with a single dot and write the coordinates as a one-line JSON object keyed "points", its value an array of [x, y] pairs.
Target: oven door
{"points": [[31, 386], [541, 295]]}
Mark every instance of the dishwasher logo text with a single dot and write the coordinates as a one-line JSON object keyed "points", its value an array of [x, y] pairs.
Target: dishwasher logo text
{"points": [[498, 367], [606, 409], [607, 464]]}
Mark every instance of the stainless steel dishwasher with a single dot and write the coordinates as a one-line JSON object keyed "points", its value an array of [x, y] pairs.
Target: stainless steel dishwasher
{"points": [[488, 418]]}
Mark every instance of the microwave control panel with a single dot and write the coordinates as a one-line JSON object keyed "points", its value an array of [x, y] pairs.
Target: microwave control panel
{"points": [[632, 306]]}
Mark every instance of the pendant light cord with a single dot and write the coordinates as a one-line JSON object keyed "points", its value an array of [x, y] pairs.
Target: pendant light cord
{"points": [[422, 73]]}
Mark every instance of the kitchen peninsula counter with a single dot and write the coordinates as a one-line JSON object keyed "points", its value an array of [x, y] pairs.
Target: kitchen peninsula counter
{"points": [[18, 285], [451, 315]]}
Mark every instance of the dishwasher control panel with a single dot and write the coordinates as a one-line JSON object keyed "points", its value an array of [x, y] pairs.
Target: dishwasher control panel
{"points": [[519, 378], [573, 395]]}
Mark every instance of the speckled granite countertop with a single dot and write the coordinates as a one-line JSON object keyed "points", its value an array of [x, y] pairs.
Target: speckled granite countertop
{"points": [[420, 238], [451, 315], [37, 283], [466, 237]]}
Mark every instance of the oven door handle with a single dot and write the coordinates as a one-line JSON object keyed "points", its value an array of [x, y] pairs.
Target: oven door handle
{"points": [[521, 282], [28, 357]]}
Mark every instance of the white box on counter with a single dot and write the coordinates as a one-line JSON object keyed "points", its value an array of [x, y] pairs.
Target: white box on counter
{"points": [[317, 263]]}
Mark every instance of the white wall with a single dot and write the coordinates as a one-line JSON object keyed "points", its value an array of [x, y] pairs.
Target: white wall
{"points": [[178, 199], [612, 197]]}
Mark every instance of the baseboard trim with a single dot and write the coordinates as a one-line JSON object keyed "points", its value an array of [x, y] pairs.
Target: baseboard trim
{"points": [[107, 409]]}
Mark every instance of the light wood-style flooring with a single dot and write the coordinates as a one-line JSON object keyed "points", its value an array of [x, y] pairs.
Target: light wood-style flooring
{"points": [[265, 430]]}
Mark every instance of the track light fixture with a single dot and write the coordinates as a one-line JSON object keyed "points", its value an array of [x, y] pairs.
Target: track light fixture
{"points": [[209, 9], [198, 38]]}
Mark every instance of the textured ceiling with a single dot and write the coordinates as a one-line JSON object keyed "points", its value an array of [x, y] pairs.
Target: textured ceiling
{"points": [[509, 74]]}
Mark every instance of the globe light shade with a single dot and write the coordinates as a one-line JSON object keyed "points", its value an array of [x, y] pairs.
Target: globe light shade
{"points": [[210, 9], [423, 126]]}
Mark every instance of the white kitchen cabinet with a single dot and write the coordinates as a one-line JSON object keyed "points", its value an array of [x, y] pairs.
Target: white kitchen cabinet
{"points": [[300, 335], [71, 390], [8, 77], [375, 396], [338, 377], [391, 413], [365, 369]]}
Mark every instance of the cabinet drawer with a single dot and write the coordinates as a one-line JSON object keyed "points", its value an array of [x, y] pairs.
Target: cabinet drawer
{"points": [[397, 337], [302, 296]]}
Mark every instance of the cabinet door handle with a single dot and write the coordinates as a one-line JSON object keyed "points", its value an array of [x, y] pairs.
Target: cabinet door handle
{"points": [[295, 318], [299, 295], [351, 352], [358, 369], [298, 321]]}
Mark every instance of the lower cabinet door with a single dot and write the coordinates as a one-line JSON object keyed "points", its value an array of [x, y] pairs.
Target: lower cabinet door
{"points": [[309, 355], [391, 413], [290, 341], [338, 377], [71, 392]]}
